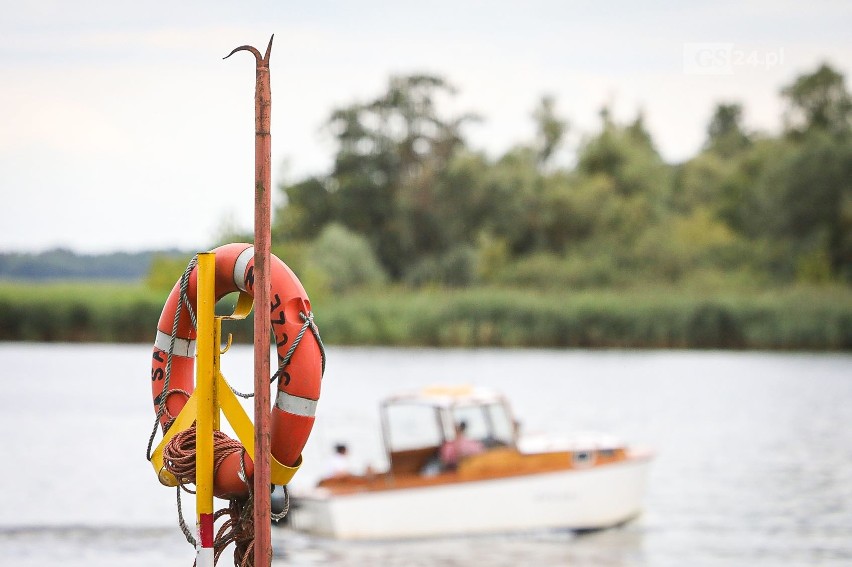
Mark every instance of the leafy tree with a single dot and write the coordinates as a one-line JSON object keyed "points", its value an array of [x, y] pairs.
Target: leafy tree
{"points": [[458, 267], [345, 259], [683, 243], [391, 151], [513, 186], [628, 156], [725, 134], [798, 205], [641, 183], [639, 135], [699, 181], [818, 101], [493, 256], [310, 204], [550, 129]]}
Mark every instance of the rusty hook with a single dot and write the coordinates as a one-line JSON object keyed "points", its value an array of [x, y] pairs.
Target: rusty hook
{"points": [[261, 61]]}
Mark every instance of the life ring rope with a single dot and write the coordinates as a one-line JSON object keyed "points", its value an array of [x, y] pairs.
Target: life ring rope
{"points": [[184, 298], [308, 323]]}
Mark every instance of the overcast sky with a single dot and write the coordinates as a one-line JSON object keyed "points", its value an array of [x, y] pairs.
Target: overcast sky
{"points": [[121, 127]]}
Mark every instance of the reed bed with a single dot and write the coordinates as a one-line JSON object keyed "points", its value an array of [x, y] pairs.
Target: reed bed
{"points": [[785, 318]]}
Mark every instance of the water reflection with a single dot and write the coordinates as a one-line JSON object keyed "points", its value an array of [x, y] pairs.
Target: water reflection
{"points": [[617, 547]]}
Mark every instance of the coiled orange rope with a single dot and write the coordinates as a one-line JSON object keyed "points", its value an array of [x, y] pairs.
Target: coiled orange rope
{"points": [[179, 453], [179, 459]]}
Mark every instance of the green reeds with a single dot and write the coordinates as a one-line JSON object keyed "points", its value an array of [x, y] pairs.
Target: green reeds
{"points": [[784, 318]]}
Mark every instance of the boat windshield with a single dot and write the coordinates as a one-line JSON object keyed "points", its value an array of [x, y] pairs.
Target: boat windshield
{"points": [[412, 426], [489, 423]]}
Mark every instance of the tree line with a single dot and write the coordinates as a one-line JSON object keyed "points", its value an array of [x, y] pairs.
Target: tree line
{"points": [[409, 202], [65, 264]]}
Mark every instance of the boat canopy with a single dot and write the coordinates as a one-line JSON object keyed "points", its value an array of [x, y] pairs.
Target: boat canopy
{"points": [[448, 396]]}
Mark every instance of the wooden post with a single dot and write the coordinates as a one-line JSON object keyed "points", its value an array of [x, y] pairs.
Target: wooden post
{"points": [[262, 287]]}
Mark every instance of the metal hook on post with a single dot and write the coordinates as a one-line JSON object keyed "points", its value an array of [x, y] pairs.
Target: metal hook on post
{"points": [[262, 323], [260, 60]]}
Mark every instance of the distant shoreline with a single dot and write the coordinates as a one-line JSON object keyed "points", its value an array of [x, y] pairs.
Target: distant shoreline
{"points": [[61, 264]]}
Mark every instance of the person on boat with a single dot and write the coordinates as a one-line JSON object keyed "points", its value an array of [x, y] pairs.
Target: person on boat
{"points": [[455, 450], [338, 465]]}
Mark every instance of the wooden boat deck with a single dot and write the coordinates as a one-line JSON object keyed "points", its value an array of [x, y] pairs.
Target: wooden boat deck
{"points": [[497, 463]]}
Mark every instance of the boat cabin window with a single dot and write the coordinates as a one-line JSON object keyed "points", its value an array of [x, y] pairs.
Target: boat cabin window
{"points": [[477, 426], [489, 423], [502, 425], [412, 426]]}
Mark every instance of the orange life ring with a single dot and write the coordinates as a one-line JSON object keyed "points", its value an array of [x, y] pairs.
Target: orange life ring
{"points": [[299, 385]]}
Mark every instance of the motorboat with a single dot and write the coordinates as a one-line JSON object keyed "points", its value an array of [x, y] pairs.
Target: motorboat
{"points": [[512, 483]]}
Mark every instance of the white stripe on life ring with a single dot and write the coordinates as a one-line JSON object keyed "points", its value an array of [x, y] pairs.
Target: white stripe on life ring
{"points": [[295, 405], [240, 267], [183, 347]]}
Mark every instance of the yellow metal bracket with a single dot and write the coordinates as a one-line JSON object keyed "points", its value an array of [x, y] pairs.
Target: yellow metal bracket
{"points": [[183, 421], [242, 309], [243, 427]]}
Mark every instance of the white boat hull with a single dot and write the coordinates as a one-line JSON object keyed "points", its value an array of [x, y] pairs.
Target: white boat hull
{"points": [[575, 499]]}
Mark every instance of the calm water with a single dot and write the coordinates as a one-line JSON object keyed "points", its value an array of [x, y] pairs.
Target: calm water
{"points": [[754, 451]]}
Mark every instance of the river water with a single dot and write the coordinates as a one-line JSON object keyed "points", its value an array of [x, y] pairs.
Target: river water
{"points": [[753, 467]]}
